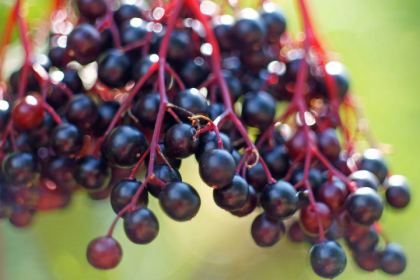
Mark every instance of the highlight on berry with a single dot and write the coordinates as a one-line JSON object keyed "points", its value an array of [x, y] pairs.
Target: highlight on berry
{"points": [[174, 79]]}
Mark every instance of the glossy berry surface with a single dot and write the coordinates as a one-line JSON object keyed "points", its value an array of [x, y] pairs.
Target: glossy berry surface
{"points": [[308, 220], [126, 12], [258, 109], [208, 141], [60, 170], [104, 253], [114, 68], [164, 173], [328, 259], [275, 21], [191, 100], [334, 194], [84, 44], [20, 167], [179, 201], [364, 206], [92, 173], [217, 168], [397, 191], [124, 191], [124, 146], [257, 177], [365, 178], [367, 243], [233, 196], [27, 113], [141, 226], [277, 161], [373, 161], [393, 260], [250, 205], [249, 29], [82, 111], [91, 9], [66, 140], [279, 200], [267, 232], [146, 109], [180, 141]]}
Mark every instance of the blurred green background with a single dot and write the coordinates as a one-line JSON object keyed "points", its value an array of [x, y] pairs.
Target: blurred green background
{"points": [[379, 42]]}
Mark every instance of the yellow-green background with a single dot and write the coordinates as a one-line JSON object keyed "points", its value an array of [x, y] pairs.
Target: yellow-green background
{"points": [[379, 42]]}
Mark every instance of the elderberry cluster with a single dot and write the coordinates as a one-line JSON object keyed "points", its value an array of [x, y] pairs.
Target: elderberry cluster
{"points": [[122, 85]]}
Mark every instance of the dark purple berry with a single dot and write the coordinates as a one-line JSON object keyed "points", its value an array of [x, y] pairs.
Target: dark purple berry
{"points": [[279, 200], [397, 191], [328, 259], [124, 191], [66, 140], [84, 44], [92, 173], [364, 206], [164, 173], [233, 196], [267, 232], [141, 226], [217, 168], [180, 141]]}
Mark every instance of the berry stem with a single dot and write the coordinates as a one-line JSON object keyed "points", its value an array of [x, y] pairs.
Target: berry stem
{"points": [[23, 30], [54, 114], [112, 26], [175, 76], [134, 171]]}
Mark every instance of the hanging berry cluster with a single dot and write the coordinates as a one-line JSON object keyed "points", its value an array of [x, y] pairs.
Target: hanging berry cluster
{"points": [[122, 85]]}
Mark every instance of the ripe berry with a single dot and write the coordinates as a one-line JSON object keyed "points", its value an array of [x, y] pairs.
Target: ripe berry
{"points": [[366, 243], [333, 194], [191, 100], [393, 259], [164, 173], [277, 161], [141, 226], [56, 55], [21, 216], [133, 30], [28, 112], [124, 146], [194, 72], [258, 109], [104, 253], [92, 9], [142, 66], [279, 200], [315, 177], [4, 114], [256, 177], [208, 141], [308, 220], [84, 44], [146, 109], [368, 261], [175, 163], [267, 232], [106, 111], [302, 197], [365, 178], [234, 86], [340, 73], [296, 234], [20, 167], [297, 143], [60, 170], [92, 173], [250, 204], [329, 144], [180, 141], [72, 80], [180, 47], [249, 29], [373, 161], [397, 191], [126, 12], [328, 259], [364, 206], [66, 139], [114, 68], [233, 196], [217, 168], [82, 111], [222, 28], [124, 191], [275, 21], [179, 201]]}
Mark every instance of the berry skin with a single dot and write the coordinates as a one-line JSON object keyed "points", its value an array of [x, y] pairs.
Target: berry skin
{"points": [[373, 161], [315, 177], [333, 194], [279, 200], [256, 177], [249, 206], [4, 114], [114, 68], [82, 111], [164, 173], [194, 72], [180, 48], [267, 232], [133, 30], [146, 109], [222, 28], [126, 12], [104, 253], [72, 80], [296, 234], [180, 142], [20, 167], [141, 226], [208, 141], [393, 259], [66, 140], [106, 111], [92, 9], [124, 146], [217, 168], [175, 163], [191, 100], [56, 55], [233, 196], [397, 191], [364, 206], [340, 73], [275, 21], [249, 30], [179, 201], [28, 112], [365, 178], [328, 259], [329, 144], [21, 216], [297, 143], [92, 173], [60, 170], [368, 261], [308, 221], [84, 44], [277, 161], [258, 109], [366, 243], [124, 191]]}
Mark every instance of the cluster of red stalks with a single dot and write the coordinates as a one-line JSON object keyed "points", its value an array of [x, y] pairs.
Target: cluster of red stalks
{"points": [[173, 8]]}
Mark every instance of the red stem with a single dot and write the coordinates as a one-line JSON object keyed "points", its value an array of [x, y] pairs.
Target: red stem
{"points": [[112, 26], [23, 30], [134, 171], [54, 114], [175, 76]]}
